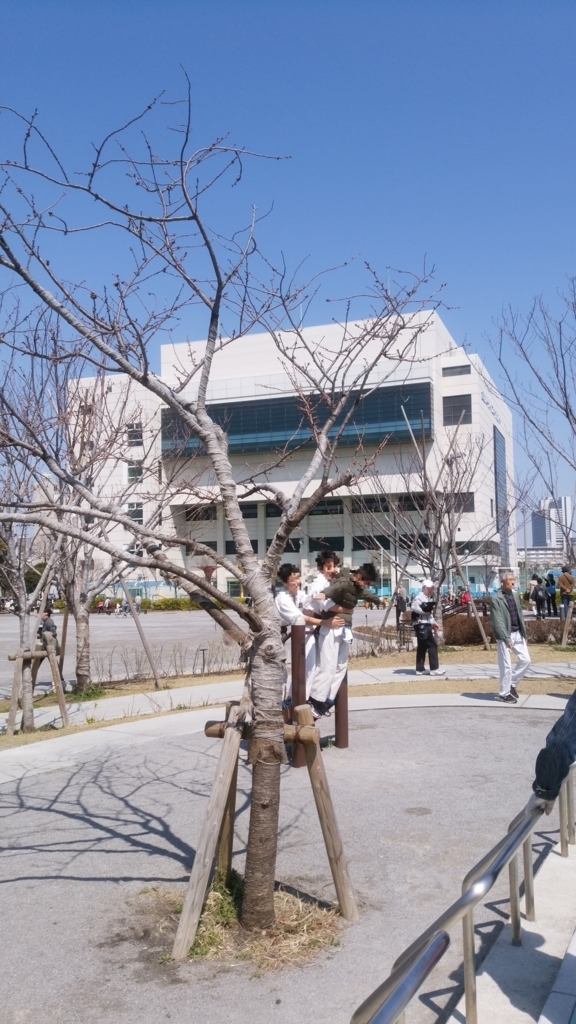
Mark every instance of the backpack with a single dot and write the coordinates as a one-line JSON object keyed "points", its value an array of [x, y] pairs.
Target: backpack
{"points": [[540, 592]]}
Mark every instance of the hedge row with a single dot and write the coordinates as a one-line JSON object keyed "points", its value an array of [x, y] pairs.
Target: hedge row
{"points": [[462, 630]]}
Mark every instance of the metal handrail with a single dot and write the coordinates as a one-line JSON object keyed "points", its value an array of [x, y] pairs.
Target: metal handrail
{"points": [[387, 1003], [402, 985]]}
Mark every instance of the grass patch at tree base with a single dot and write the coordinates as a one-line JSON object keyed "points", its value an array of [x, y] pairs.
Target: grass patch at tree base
{"points": [[303, 927]]}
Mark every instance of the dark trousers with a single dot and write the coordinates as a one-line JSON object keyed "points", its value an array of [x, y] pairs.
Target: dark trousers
{"points": [[426, 644], [540, 607], [566, 598], [551, 602]]}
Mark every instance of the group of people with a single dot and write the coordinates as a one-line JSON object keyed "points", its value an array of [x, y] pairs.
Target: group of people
{"points": [[542, 592], [327, 609], [106, 606]]}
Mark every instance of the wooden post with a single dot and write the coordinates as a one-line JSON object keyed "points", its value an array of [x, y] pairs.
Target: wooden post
{"points": [[58, 688], [341, 714], [200, 874], [140, 629], [16, 686], [226, 838], [328, 823], [298, 657], [63, 642], [35, 670], [567, 622]]}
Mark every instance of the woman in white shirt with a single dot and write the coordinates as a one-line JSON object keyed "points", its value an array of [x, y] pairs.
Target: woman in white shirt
{"points": [[290, 601]]}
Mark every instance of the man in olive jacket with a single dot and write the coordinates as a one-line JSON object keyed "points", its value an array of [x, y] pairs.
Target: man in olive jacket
{"points": [[509, 631]]}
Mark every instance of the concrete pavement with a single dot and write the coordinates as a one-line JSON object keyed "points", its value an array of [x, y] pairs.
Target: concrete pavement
{"points": [[88, 820]]}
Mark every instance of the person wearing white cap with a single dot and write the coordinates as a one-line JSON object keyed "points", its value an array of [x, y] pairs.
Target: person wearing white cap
{"points": [[426, 630]]}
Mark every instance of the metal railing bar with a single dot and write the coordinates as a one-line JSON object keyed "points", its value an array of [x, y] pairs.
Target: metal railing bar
{"points": [[563, 814], [479, 888], [570, 796], [387, 1003]]}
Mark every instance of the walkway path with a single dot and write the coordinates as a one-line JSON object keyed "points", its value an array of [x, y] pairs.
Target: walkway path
{"points": [[130, 705]]}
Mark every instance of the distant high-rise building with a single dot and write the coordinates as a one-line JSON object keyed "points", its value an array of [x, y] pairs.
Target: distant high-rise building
{"points": [[551, 522]]}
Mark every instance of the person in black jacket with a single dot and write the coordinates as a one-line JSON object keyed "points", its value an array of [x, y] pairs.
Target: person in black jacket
{"points": [[554, 760]]}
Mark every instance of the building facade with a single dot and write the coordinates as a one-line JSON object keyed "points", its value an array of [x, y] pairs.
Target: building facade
{"points": [[439, 390]]}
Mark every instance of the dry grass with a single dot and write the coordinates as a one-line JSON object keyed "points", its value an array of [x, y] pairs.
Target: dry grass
{"points": [[471, 655], [552, 687], [303, 928]]}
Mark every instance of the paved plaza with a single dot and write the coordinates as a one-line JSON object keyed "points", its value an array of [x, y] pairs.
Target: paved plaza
{"points": [[89, 820]]}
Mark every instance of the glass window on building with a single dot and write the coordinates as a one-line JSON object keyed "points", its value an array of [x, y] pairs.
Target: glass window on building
{"points": [[326, 544], [328, 507], [200, 513], [234, 589], [136, 512], [249, 511], [292, 544], [135, 472], [134, 434], [456, 406], [273, 511], [501, 495], [456, 371], [370, 503], [460, 501], [231, 547], [371, 543]]}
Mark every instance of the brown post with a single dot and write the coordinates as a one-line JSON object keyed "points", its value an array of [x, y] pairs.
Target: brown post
{"points": [[298, 655], [58, 688], [206, 848], [140, 629], [328, 823], [63, 642], [567, 622], [341, 714], [226, 838], [16, 686]]}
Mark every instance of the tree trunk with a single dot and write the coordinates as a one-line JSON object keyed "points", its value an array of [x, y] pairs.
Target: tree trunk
{"points": [[266, 753], [27, 693], [82, 619]]}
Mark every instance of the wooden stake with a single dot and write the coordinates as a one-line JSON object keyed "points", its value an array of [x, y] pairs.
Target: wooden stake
{"points": [[298, 672], [567, 622], [16, 687], [58, 688], [140, 629], [341, 714], [63, 642], [226, 838], [200, 874], [328, 823]]}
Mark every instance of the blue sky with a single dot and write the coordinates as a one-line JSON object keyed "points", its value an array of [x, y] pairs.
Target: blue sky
{"points": [[431, 128]]}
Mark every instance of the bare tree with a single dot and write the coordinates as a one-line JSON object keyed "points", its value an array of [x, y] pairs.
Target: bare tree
{"points": [[159, 215]]}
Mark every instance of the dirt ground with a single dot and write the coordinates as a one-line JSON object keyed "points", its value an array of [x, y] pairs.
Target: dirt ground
{"points": [[471, 655], [552, 687]]}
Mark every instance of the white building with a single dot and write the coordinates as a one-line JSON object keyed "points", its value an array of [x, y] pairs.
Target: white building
{"points": [[251, 394], [552, 523]]}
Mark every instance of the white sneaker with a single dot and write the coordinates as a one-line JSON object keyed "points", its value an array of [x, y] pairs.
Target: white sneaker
{"points": [[420, 673], [438, 672]]}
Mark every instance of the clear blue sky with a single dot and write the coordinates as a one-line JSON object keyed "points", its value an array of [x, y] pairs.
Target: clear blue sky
{"points": [[443, 128]]}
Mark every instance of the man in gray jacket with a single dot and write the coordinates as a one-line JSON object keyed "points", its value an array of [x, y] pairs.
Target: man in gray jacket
{"points": [[509, 631]]}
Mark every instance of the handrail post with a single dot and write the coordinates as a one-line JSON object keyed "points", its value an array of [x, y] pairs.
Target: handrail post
{"points": [[469, 968], [563, 815], [529, 880], [298, 671], [570, 808], [515, 919], [341, 714]]}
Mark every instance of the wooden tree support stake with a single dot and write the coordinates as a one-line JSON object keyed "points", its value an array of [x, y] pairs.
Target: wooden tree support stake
{"points": [[220, 800], [58, 688], [63, 642], [567, 622], [16, 687], [328, 823]]}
